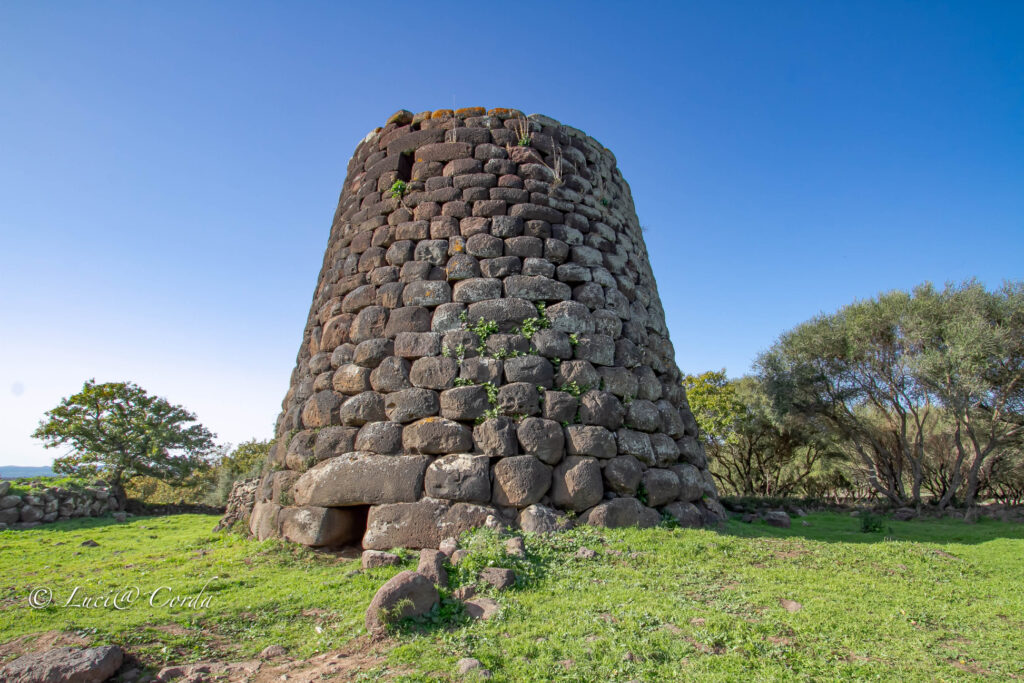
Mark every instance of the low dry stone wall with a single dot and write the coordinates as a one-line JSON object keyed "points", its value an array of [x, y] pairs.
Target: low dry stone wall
{"points": [[486, 342], [25, 511]]}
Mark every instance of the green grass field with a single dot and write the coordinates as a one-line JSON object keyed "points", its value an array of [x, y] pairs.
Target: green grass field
{"points": [[921, 601]]}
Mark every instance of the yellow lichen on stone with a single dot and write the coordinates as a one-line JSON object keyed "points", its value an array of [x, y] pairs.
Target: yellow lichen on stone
{"points": [[421, 117], [504, 113], [466, 112], [401, 117], [442, 114]]}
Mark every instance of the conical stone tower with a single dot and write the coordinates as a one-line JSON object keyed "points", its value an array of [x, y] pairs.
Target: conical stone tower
{"points": [[486, 345]]}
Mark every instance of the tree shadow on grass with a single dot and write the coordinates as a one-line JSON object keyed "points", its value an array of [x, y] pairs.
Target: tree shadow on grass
{"points": [[831, 527]]}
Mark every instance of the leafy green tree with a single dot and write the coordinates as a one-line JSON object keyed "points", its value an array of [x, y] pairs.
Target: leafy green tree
{"points": [[971, 360], [119, 431], [891, 375], [753, 449]]}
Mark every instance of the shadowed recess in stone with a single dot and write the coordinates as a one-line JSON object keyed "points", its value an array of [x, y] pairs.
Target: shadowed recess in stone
{"points": [[486, 340]]}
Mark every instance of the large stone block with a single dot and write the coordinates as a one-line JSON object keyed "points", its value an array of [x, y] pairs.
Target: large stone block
{"points": [[437, 436], [460, 477], [320, 526], [576, 484], [362, 479], [423, 524], [520, 481]]}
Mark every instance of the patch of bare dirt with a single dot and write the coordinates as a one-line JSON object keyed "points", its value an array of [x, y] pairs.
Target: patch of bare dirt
{"points": [[40, 642], [358, 656]]}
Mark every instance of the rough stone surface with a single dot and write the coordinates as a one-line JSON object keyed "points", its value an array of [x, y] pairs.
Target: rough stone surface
{"points": [[65, 665], [492, 345], [520, 481], [407, 594]]}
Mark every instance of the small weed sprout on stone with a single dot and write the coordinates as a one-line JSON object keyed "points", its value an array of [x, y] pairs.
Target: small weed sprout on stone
{"points": [[522, 131], [398, 189], [574, 339], [464, 382], [556, 168], [483, 329], [641, 493], [575, 389]]}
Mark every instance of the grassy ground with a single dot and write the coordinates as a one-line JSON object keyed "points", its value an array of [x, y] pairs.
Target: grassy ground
{"points": [[919, 601]]}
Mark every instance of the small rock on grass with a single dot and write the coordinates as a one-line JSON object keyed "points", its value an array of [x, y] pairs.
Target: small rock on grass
{"points": [[791, 605], [90, 544], [464, 592], [273, 651], [481, 608], [586, 553], [468, 665], [498, 577], [407, 594], [432, 566], [459, 555], [379, 558], [448, 546], [515, 547]]}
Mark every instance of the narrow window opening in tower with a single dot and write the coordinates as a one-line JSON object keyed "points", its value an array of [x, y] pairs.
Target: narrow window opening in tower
{"points": [[405, 166]]}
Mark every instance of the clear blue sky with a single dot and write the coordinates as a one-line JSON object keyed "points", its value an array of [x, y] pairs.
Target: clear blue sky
{"points": [[168, 171]]}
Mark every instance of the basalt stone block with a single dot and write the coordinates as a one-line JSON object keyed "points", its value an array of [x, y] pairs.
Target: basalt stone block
{"points": [[622, 475], [464, 403], [644, 416], [437, 436], [520, 481], [496, 437], [601, 408], [476, 289], [380, 437], [320, 409], [576, 483], [423, 524], [362, 479], [615, 513], [519, 398], [409, 405], [591, 440], [362, 408], [351, 379], [436, 372], [541, 438], [391, 375], [686, 514], [319, 526], [333, 441], [429, 294], [460, 477], [637, 444], [662, 486], [508, 313], [533, 369], [371, 352], [389, 364]]}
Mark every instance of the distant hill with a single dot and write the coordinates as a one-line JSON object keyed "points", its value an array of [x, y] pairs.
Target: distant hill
{"points": [[15, 471]]}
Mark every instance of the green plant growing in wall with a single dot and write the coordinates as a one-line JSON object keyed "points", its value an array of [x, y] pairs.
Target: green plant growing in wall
{"points": [[398, 189], [521, 127], [483, 329]]}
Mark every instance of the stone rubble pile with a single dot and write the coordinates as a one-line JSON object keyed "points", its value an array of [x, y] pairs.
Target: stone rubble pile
{"points": [[486, 340]]}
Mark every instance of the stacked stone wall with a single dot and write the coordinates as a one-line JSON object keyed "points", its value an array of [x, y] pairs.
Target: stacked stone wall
{"points": [[486, 343], [44, 504]]}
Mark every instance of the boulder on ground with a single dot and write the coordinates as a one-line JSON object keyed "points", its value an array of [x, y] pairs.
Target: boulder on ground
{"points": [[378, 558], [65, 665], [777, 518], [407, 594]]}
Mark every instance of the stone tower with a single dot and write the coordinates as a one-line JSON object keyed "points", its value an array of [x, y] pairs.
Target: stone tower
{"points": [[485, 341]]}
